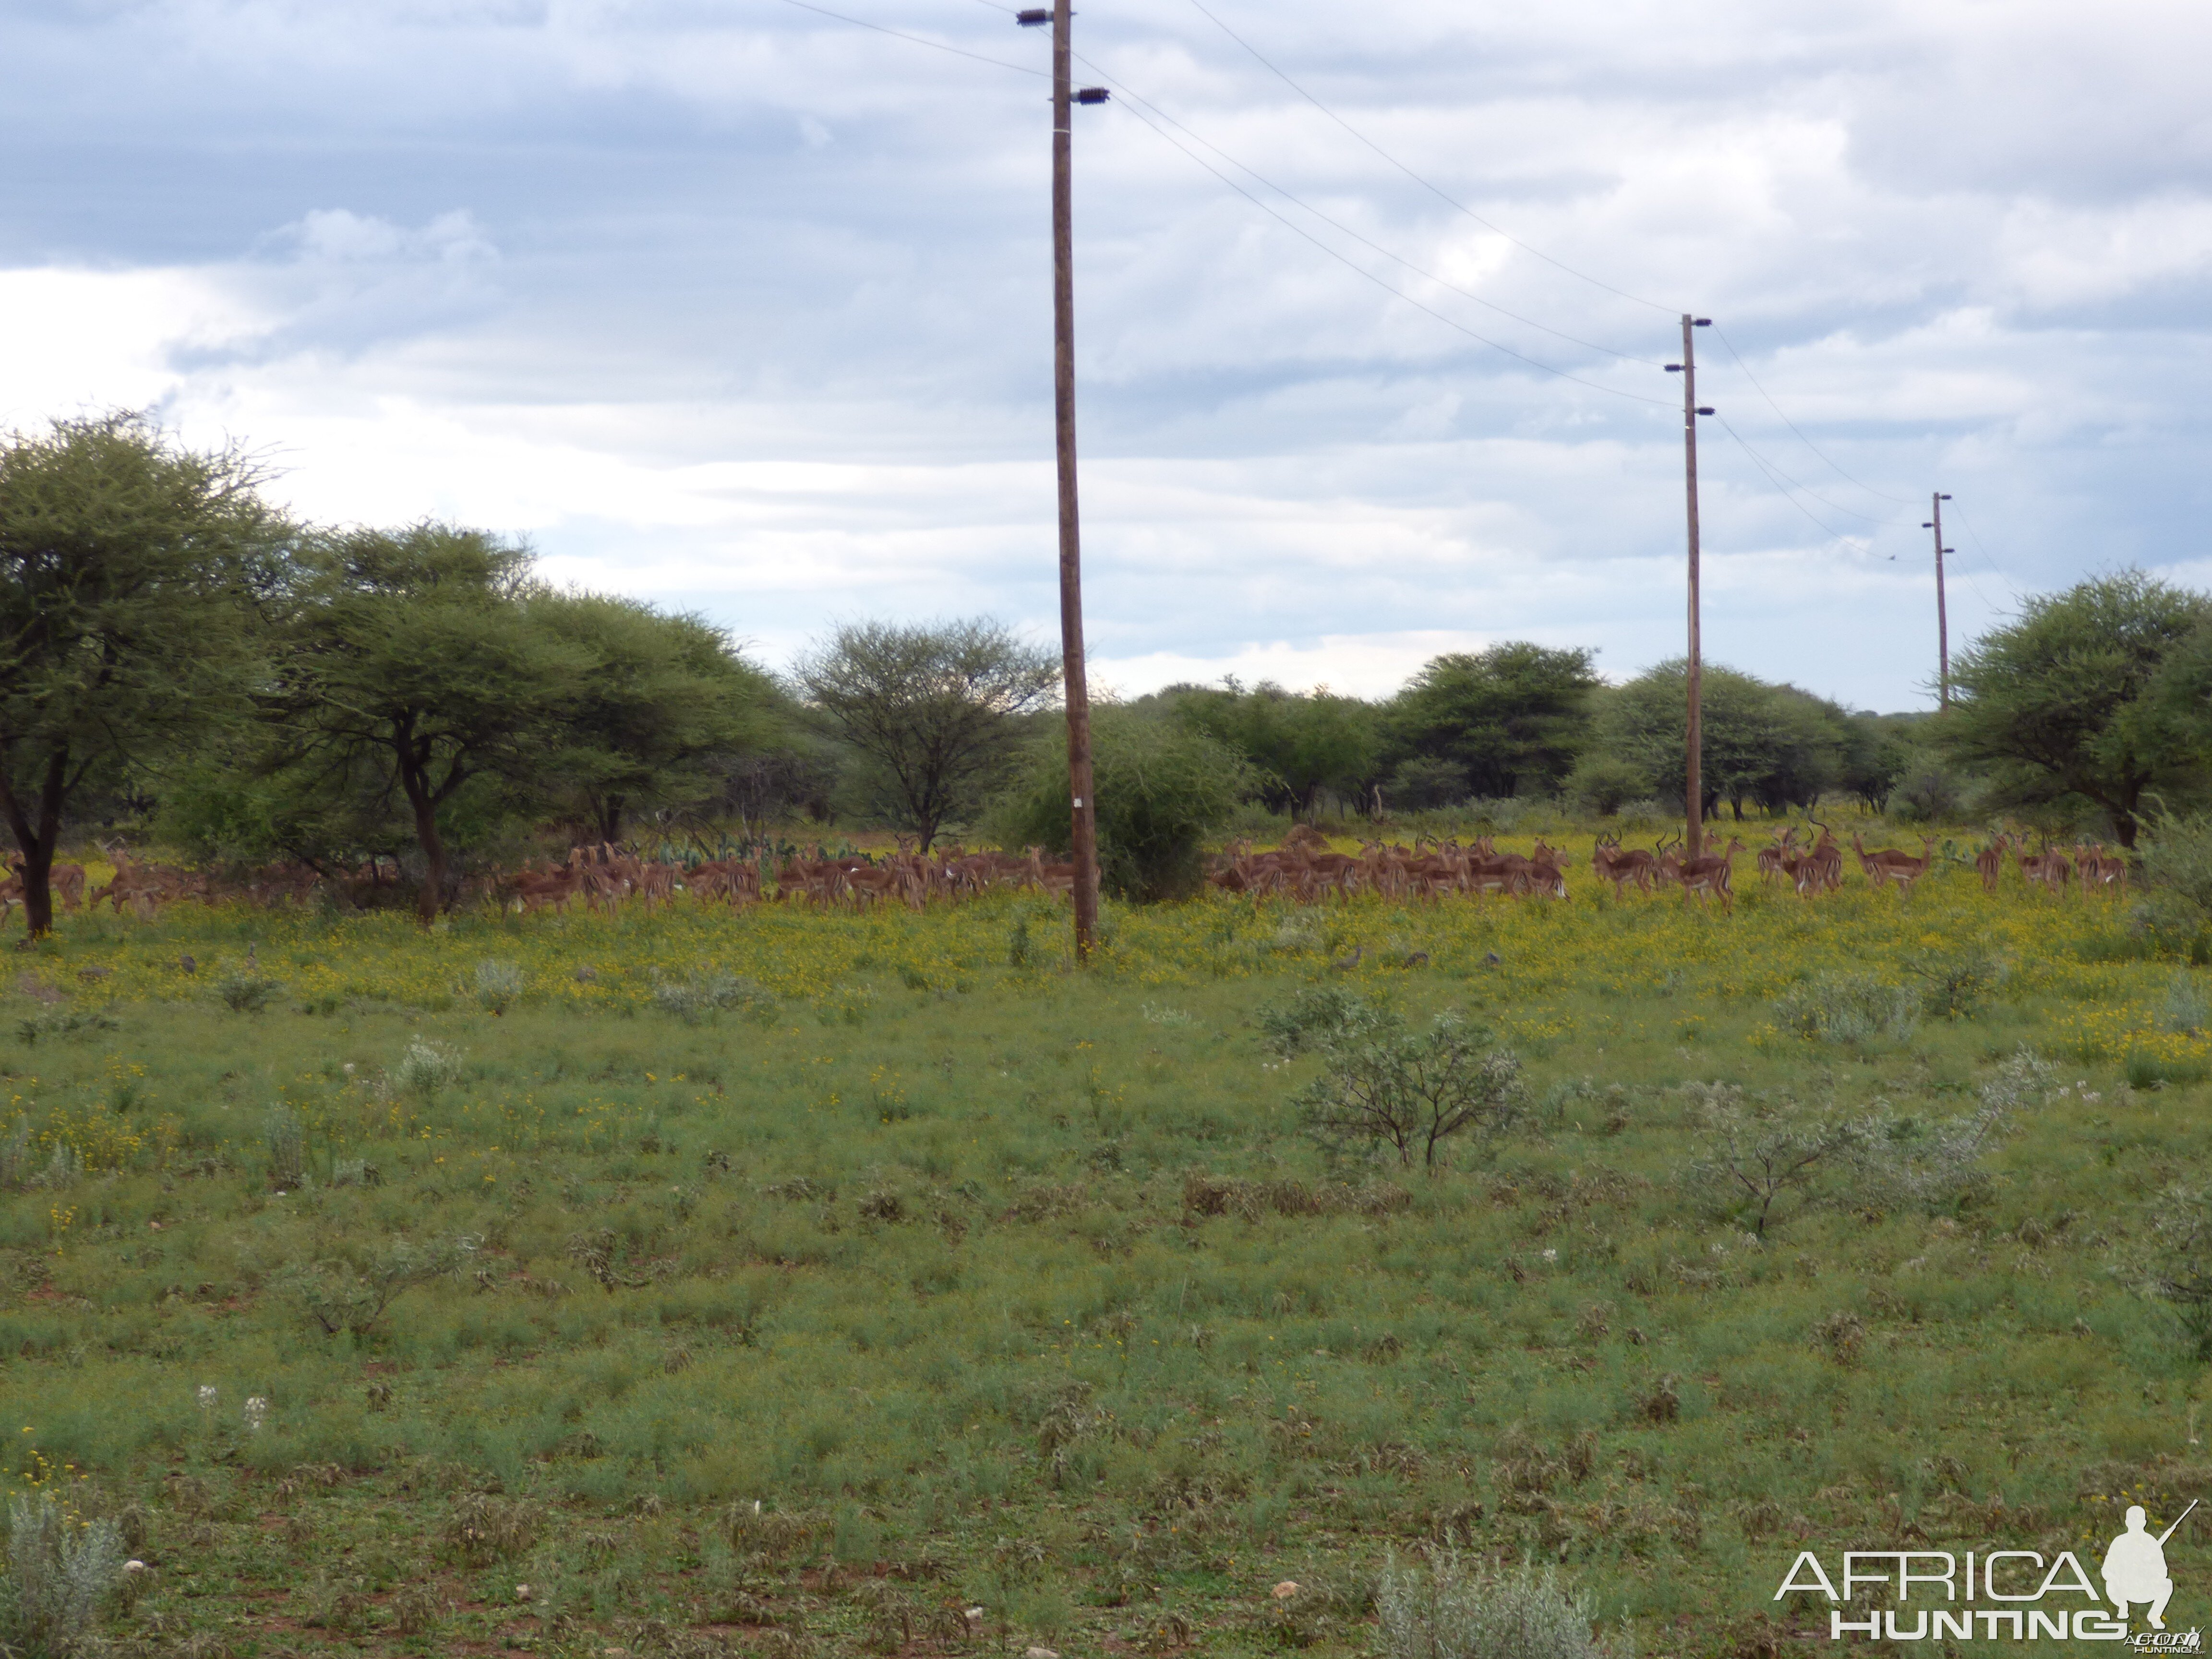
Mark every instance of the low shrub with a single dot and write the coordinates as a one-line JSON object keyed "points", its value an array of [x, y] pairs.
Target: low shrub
{"points": [[61, 1571], [1455, 1610], [499, 985], [1848, 1008]]}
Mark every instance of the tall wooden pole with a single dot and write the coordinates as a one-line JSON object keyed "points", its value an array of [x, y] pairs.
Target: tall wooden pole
{"points": [[1083, 833], [1693, 840], [1942, 621]]}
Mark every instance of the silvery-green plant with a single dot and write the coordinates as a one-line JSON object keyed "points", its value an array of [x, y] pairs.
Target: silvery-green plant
{"points": [[1457, 1611], [499, 985], [426, 1067], [286, 1138], [61, 1569], [2187, 1010], [1848, 1008]]}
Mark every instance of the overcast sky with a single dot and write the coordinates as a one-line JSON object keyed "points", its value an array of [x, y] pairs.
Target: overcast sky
{"points": [[738, 308]]}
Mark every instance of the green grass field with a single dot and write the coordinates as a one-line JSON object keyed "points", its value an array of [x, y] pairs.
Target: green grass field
{"points": [[795, 1283]]}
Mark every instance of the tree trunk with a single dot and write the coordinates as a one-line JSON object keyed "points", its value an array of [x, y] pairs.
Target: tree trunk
{"points": [[415, 780], [36, 864], [611, 819]]}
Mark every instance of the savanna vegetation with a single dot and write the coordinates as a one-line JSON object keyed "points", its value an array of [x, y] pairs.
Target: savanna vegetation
{"points": [[386, 1271]]}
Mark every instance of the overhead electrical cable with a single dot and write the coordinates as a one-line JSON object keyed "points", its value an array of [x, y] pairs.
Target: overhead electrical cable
{"points": [[1132, 96], [919, 40], [1781, 483], [1292, 225], [1802, 438], [1434, 190], [1981, 548]]}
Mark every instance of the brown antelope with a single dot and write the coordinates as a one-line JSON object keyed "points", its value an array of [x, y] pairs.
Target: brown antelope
{"points": [[1989, 863], [1772, 860], [1058, 880], [1709, 875], [1621, 865]]}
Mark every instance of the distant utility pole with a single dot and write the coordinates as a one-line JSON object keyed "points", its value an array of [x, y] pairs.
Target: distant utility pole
{"points": [[1083, 823], [1942, 622], [1694, 841]]}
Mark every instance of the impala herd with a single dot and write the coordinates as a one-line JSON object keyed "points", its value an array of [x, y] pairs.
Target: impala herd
{"points": [[1303, 869]]}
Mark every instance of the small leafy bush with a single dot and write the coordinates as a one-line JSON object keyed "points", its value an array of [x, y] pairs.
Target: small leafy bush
{"points": [[1753, 1156], [63, 1023], [61, 1569], [2187, 1010], [2179, 1269], [426, 1067], [244, 993], [1955, 986], [1163, 790], [499, 985], [710, 992], [1382, 1083], [353, 1296], [1458, 1611], [1315, 1016], [1848, 1008], [285, 1137]]}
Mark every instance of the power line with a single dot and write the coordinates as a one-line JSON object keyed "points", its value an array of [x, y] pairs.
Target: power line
{"points": [[1837, 506], [1131, 94], [919, 40], [1434, 190], [1777, 479], [1802, 438], [1332, 253], [1983, 550]]}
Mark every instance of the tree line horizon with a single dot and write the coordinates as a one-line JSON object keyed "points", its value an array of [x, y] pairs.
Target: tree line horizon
{"points": [[188, 660]]}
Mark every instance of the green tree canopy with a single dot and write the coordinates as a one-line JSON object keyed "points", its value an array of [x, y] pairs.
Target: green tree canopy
{"points": [[130, 569], [1297, 743], [1771, 745], [662, 708], [933, 710], [2056, 703], [413, 676], [1515, 715], [1163, 788]]}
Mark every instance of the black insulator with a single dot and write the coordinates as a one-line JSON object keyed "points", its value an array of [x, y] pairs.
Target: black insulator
{"points": [[1091, 94]]}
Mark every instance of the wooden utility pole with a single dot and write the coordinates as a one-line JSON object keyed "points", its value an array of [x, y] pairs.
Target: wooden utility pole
{"points": [[1693, 838], [1083, 823], [1942, 621]]}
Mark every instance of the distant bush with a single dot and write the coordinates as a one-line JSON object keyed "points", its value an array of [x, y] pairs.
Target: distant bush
{"points": [[63, 1021], [1455, 1610], [1753, 1155], [1165, 790], [285, 1137], [426, 1067], [2187, 1010], [1424, 782], [353, 1296], [2179, 1270], [499, 984], [61, 1569], [1384, 1084], [1318, 1014], [1955, 986], [1848, 1008], [711, 992], [2176, 883], [244, 993], [1603, 784]]}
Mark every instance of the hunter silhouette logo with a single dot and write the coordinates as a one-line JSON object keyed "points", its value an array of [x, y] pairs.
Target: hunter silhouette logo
{"points": [[1996, 1595], [2135, 1566]]}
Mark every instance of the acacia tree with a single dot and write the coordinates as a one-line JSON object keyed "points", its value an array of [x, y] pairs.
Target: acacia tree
{"points": [[933, 708], [130, 569], [1515, 716], [662, 708], [412, 666], [2059, 702], [1300, 742]]}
